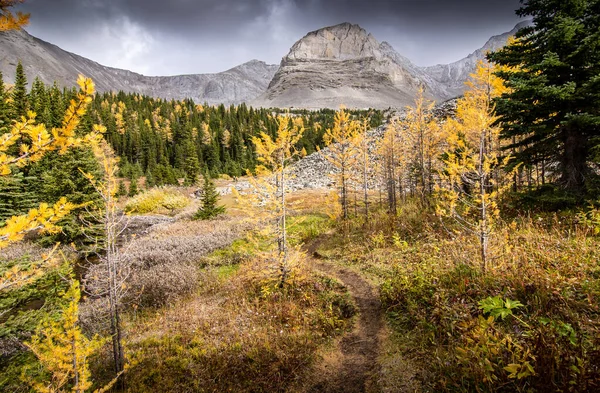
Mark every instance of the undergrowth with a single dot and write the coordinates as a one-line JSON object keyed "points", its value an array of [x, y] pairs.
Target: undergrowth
{"points": [[163, 200], [530, 322]]}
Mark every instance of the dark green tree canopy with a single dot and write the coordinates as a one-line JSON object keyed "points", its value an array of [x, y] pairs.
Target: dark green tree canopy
{"points": [[553, 113]]}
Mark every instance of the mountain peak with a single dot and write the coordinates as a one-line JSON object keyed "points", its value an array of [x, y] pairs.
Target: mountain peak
{"points": [[344, 41]]}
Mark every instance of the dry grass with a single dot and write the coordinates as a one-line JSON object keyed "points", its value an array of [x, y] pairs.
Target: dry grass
{"points": [[234, 336], [432, 285]]}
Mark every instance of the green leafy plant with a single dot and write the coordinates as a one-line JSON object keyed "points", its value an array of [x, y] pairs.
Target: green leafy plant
{"points": [[498, 307]]}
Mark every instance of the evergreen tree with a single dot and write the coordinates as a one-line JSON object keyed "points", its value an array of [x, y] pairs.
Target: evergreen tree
{"points": [[4, 108], [15, 196], [210, 199], [121, 190], [58, 176], [133, 187], [552, 113], [20, 103]]}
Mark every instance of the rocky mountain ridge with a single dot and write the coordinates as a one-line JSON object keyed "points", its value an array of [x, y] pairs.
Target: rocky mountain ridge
{"points": [[344, 64], [341, 64], [50, 63]]}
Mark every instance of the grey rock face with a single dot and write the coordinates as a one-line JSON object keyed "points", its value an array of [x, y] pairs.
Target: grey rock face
{"points": [[344, 65], [452, 77], [329, 67], [50, 63]]}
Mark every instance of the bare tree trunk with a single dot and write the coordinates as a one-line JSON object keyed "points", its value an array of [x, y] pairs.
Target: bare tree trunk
{"points": [[283, 250], [76, 388], [483, 226]]}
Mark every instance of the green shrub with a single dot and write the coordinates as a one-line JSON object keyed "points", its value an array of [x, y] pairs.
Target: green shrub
{"points": [[157, 200]]}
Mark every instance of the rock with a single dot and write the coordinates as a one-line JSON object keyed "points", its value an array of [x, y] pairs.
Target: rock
{"points": [[345, 65], [50, 63]]}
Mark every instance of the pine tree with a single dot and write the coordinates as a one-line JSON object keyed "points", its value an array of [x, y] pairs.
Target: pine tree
{"points": [[15, 196], [552, 113], [133, 187], [210, 199], [121, 190], [20, 103], [4, 108]]}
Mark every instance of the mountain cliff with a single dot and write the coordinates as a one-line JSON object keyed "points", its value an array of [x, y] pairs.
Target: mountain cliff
{"points": [[342, 64], [454, 75], [50, 63], [336, 65], [345, 65]]}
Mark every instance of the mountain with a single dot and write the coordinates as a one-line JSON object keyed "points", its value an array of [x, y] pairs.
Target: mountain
{"points": [[343, 64], [335, 65], [453, 76], [50, 63]]}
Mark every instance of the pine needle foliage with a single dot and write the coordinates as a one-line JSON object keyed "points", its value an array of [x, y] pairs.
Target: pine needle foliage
{"points": [[210, 201]]}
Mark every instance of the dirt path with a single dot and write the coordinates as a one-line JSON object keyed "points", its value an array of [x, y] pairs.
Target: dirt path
{"points": [[352, 366]]}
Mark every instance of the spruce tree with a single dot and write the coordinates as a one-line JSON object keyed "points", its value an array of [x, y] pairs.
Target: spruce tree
{"points": [[121, 190], [15, 196], [133, 187], [20, 104], [210, 199], [59, 175], [4, 108], [552, 113]]}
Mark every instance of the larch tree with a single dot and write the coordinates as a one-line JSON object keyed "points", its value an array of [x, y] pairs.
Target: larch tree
{"points": [[10, 20], [63, 351], [60, 346], [108, 278], [394, 151], [363, 143], [425, 134], [41, 140], [274, 156], [473, 174], [343, 153]]}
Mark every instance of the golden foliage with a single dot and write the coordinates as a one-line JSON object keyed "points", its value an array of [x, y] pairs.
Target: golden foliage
{"points": [[343, 147], [10, 21], [474, 173], [64, 351], [41, 141]]}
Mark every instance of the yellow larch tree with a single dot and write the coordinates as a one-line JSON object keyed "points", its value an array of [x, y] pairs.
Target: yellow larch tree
{"points": [[343, 153], [42, 140], [269, 186], [108, 278], [473, 172], [426, 136], [363, 142], [63, 351], [10, 21]]}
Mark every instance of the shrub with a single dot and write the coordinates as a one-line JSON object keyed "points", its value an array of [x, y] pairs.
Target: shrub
{"points": [[157, 200]]}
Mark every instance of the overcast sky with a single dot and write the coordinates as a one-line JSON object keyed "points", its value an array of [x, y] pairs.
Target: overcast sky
{"points": [[158, 37]]}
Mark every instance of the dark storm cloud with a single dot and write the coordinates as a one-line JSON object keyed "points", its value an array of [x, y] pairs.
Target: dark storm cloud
{"points": [[186, 36]]}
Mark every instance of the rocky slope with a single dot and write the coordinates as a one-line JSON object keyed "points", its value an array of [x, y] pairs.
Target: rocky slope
{"points": [[336, 65], [50, 63], [344, 64], [452, 76]]}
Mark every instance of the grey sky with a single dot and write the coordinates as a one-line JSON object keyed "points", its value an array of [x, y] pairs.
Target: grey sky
{"points": [[157, 37]]}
